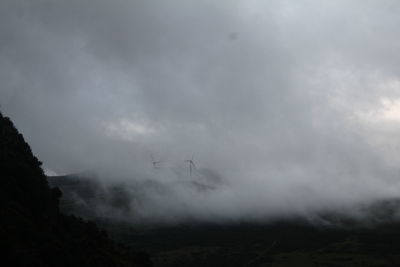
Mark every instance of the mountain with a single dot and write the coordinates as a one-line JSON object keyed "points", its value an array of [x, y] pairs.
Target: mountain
{"points": [[370, 236], [33, 231], [39, 227]]}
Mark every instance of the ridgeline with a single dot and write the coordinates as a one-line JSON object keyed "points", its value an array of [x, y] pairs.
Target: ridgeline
{"points": [[33, 231]]}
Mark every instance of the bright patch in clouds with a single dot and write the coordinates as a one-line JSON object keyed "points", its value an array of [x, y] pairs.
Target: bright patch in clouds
{"points": [[388, 111], [128, 130]]}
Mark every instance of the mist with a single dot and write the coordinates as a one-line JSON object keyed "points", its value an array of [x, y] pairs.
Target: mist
{"points": [[287, 107]]}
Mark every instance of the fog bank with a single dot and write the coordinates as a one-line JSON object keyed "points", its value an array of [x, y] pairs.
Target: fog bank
{"points": [[293, 105]]}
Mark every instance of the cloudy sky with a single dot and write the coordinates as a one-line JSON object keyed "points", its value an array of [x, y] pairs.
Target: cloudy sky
{"points": [[290, 101]]}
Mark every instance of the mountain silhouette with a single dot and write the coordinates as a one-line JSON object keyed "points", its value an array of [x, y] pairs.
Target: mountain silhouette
{"points": [[33, 231]]}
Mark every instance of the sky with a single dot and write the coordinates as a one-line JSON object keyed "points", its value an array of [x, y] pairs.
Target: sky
{"points": [[293, 105]]}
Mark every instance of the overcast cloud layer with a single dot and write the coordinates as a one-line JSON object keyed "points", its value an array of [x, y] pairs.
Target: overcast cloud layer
{"points": [[294, 104]]}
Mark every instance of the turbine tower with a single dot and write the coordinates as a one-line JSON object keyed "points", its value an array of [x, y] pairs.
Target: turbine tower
{"points": [[191, 165]]}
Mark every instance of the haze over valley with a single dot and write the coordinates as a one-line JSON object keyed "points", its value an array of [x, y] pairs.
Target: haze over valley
{"points": [[176, 113]]}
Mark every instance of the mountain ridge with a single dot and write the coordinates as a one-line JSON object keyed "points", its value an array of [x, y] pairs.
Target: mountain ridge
{"points": [[33, 231]]}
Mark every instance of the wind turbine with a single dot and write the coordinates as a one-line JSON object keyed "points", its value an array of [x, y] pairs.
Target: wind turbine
{"points": [[154, 162], [191, 165]]}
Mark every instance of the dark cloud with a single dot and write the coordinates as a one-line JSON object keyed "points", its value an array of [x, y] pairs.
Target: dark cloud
{"points": [[295, 104]]}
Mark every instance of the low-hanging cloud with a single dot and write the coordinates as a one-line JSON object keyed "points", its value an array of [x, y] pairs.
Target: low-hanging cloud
{"points": [[294, 105]]}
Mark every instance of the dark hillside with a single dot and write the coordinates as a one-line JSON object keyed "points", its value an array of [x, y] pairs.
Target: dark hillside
{"points": [[32, 230], [332, 238]]}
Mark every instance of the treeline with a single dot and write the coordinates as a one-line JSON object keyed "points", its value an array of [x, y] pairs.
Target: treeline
{"points": [[33, 232]]}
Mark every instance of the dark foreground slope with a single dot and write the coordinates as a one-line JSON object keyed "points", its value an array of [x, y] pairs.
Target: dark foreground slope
{"points": [[33, 232]]}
